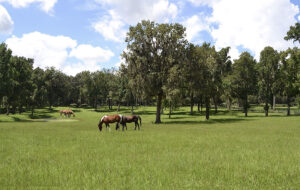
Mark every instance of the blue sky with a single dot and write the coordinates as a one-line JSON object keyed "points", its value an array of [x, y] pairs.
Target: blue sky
{"points": [[76, 35]]}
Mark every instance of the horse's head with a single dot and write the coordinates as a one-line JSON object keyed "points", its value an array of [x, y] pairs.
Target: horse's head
{"points": [[100, 125]]}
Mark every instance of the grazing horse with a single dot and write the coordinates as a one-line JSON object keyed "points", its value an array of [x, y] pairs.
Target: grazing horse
{"points": [[107, 119], [130, 119], [62, 112], [67, 113]]}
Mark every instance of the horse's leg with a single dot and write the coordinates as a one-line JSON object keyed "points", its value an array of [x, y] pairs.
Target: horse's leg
{"points": [[117, 126], [106, 126]]}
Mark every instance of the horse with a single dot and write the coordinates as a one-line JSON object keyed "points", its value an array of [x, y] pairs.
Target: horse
{"points": [[107, 119], [130, 119], [62, 112], [67, 113]]}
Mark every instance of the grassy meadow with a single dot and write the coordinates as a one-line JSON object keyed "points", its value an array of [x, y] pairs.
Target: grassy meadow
{"points": [[184, 152]]}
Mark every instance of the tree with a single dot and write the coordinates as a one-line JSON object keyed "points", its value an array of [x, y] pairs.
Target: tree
{"points": [[208, 66], [244, 78], [152, 50], [293, 33], [190, 70], [268, 72], [290, 60], [6, 74], [23, 84], [38, 96]]}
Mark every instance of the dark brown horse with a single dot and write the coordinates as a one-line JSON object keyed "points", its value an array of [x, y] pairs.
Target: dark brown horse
{"points": [[107, 119], [130, 119]]}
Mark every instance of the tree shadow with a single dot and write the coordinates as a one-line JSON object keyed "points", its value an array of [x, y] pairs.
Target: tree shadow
{"points": [[210, 121], [40, 116]]}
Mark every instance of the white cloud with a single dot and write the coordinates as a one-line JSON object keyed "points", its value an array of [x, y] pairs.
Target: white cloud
{"points": [[57, 51], [124, 12], [6, 23], [45, 5], [46, 50], [74, 68], [194, 25], [253, 24], [111, 28], [203, 2], [91, 55]]}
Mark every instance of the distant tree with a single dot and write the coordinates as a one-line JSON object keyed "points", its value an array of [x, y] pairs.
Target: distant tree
{"points": [[208, 67], [152, 50], [293, 33], [190, 70], [38, 96], [244, 79], [172, 88], [290, 60], [268, 72], [6, 75], [23, 84], [58, 87]]}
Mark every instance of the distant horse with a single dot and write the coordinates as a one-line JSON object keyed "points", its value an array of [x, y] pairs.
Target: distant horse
{"points": [[130, 119], [61, 112], [67, 113], [107, 119]]}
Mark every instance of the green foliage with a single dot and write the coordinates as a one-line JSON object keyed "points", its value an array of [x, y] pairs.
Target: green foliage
{"points": [[268, 72], [293, 33], [152, 50], [244, 78]]}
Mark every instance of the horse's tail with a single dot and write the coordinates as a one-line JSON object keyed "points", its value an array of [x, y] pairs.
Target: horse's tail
{"points": [[140, 120]]}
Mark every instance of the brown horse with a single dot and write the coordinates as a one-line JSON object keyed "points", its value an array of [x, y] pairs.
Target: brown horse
{"points": [[107, 119], [130, 119], [67, 113]]}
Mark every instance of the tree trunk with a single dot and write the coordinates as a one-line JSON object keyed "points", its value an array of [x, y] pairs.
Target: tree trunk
{"points": [[201, 107], [266, 110], [246, 106], [198, 107], [274, 102], [289, 107], [32, 110], [229, 102], [170, 111], [7, 108], [207, 108], [192, 104], [158, 107], [132, 108], [119, 106], [216, 105], [96, 103]]}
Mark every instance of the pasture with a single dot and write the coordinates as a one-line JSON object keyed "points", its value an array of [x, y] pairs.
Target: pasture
{"points": [[184, 152]]}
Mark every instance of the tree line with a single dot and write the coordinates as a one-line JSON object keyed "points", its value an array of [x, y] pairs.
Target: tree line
{"points": [[160, 68]]}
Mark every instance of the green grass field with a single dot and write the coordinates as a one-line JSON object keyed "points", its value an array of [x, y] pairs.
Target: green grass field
{"points": [[185, 152]]}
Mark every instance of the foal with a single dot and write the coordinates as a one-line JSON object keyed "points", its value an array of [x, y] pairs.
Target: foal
{"points": [[130, 119]]}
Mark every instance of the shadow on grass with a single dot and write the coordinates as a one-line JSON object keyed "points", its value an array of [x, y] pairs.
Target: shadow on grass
{"points": [[40, 116], [210, 121]]}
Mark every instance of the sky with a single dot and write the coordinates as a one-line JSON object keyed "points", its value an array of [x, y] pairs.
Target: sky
{"points": [[77, 35]]}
